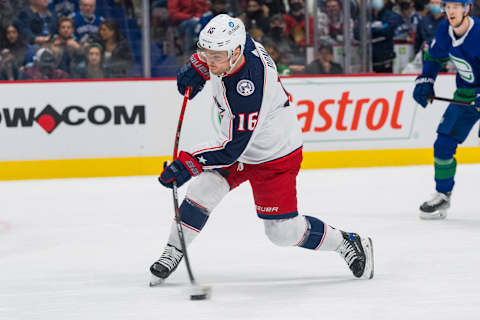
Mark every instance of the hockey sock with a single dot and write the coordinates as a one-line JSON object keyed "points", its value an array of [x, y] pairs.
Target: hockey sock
{"points": [[444, 174], [194, 218], [320, 236]]}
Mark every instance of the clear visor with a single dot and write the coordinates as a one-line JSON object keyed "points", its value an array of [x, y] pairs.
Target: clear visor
{"points": [[453, 6], [207, 55]]}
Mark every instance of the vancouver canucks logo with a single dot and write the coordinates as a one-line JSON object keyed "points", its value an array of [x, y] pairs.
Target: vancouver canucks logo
{"points": [[464, 69], [245, 87]]}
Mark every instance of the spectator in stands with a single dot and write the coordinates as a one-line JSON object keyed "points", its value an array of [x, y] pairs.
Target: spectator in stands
{"points": [[21, 51], [64, 44], [14, 53], [324, 64], [406, 31], [334, 22], [333, 9], [159, 22], [117, 57], [275, 7], [37, 23], [216, 7], [354, 7], [272, 7], [295, 23], [92, 68], [8, 69], [421, 7], [290, 53], [256, 19], [63, 8], [86, 21], [389, 5], [238, 6], [427, 26], [184, 15], [282, 67], [44, 67], [9, 9], [384, 24]]}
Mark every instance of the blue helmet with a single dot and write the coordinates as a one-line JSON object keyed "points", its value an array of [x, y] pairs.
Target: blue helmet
{"points": [[464, 2]]}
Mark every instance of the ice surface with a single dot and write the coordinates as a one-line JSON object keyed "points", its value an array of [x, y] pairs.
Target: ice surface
{"points": [[81, 248]]}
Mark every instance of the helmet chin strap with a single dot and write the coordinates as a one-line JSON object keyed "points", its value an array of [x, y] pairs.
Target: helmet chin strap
{"points": [[232, 65], [463, 17]]}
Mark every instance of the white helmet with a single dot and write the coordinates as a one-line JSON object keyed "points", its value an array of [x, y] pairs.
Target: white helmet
{"points": [[223, 33]]}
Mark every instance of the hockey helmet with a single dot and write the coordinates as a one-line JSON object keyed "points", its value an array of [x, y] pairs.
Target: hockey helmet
{"points": [[223, 33], [464, 2]]}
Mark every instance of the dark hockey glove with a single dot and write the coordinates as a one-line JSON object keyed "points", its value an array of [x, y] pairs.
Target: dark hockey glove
{"points": [[180, 170], [194, 74], [423, 90]]}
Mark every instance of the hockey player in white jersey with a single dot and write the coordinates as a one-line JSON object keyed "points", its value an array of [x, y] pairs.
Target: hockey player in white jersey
{"points": [[260, 142]]}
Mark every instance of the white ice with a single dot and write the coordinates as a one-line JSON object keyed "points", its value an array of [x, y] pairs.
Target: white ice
{"points": [[81, 248]]}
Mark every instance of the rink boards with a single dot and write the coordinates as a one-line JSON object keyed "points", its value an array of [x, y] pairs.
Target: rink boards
{"points": [[126, 127]]}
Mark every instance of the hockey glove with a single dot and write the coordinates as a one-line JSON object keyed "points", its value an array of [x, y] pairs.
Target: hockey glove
{"points": [[468, 95], [194, 74], [423, 90], [180, 170]]}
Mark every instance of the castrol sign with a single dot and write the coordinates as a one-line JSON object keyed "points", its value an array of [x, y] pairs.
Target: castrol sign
{"points": [[336, 113], [351, 112], [356, 112]]}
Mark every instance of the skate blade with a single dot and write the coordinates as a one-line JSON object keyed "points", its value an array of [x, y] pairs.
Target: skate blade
{"points": [[369, 262], [437, 215], [156, 281]]}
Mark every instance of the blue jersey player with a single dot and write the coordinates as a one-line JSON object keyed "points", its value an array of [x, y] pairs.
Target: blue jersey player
{"points": [[260, 142], [456, 39]]}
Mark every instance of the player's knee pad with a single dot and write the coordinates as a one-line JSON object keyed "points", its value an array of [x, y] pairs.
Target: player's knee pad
{"points": [[286, 232], [207, 190], [444, 147]]}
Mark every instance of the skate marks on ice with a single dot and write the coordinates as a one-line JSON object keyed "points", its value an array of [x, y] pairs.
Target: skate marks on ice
{"points": [[272, 283], [277, 289], [99, 269]]}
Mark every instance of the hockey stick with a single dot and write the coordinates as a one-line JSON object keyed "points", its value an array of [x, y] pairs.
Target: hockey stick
{"points": [[463, 103], [198, 292]]}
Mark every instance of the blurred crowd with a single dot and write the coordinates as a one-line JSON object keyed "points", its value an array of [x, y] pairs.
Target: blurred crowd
{"points": [[92, 39]]}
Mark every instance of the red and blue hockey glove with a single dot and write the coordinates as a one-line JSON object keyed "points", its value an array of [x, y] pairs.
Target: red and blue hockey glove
{"points": [[180, 170], [423, 90], [193, 74]]}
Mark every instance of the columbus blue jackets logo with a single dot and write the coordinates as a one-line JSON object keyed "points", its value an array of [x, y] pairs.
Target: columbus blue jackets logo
{"points": [[245, 87]]}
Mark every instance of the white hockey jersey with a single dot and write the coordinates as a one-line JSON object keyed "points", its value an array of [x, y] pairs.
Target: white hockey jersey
{"points": [[257, 122]]}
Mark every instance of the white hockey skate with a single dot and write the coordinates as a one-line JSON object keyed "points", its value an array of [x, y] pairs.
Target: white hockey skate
{"points": [[165, 265], [358, 253], [435, 208]]}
